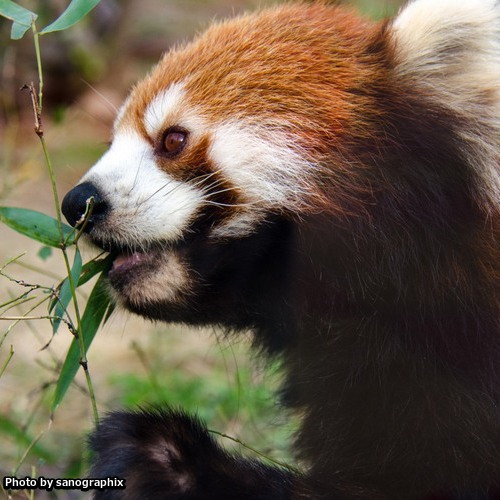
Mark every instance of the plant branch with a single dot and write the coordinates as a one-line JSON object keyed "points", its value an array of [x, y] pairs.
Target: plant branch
{"points": [[263, 455], [37, 109], [7, 361], [39, 65]]}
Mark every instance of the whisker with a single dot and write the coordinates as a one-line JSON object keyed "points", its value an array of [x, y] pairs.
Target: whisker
{"points": [[219, 192], [202, 179], [158, 190], [168, 193], [206, 189], [235, 205], [137, 172], [101, 95]]}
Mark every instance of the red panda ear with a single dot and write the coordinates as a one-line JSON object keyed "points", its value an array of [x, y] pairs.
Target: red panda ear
{"points": [[450, 50], [450, 44]]}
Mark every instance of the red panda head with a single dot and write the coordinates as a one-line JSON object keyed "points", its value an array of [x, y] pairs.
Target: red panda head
{"points": [[269, 119]]}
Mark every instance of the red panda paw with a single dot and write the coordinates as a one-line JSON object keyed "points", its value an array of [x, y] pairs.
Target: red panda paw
{"points": [[170, 455]]}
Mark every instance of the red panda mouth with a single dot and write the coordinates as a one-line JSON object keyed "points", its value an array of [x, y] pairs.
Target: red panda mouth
{"points": [[128, 262], [140, 276], [127, 266], [134, 266], [125, 262]]}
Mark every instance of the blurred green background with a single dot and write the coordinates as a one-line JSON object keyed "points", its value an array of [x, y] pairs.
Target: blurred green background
{"points": [[88, 71]]}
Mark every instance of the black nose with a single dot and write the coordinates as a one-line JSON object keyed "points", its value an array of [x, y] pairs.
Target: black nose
{"points": [[74, 205]]}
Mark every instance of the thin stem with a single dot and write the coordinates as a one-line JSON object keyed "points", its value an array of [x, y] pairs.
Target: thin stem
{"points": [[79, 337], [15, 322], [39, 64], [33, 443], [16, 303], [54, 187], [81, 224], [263, 455], [13, 259], [37, 106], [29, 318], [145, 363], [7, 361]]}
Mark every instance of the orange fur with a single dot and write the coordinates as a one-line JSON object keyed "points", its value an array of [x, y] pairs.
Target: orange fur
{"points": [[283, 82]]}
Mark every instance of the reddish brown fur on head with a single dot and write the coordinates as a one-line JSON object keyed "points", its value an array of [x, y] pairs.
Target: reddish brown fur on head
{"points": [[285, 66]]}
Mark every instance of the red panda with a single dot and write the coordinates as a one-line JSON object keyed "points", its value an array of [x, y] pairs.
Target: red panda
{"points": [[332, 184]]}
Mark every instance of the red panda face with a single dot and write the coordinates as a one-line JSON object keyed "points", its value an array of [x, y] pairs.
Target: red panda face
{"points": [[223, 137]]}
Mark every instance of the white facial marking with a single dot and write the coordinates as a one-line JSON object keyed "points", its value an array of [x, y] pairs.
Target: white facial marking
{"points": [[166, 103], [146, 203], [266, 167], [262, 163]]}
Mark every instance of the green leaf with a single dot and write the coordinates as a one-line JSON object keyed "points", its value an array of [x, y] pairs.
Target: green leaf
{"points": [[109, 312], [76, 10], [21, 18], [35, 225], [80, 277], [95, 311], [44, 253], [65, 295], [93, 267]]}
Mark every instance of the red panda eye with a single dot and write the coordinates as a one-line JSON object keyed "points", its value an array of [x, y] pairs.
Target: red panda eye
{"points": [[173, 141]]}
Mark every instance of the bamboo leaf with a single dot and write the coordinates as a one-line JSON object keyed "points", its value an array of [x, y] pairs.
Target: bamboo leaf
{"points": [[45, 252], [75, 11], [109, 312], [35, 225], [21, 18], [65, 295], [86, 273], [93, 267], [95, 311]]}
